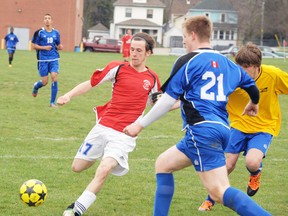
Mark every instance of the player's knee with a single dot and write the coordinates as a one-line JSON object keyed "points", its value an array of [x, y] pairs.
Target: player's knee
{"points": [[161, 166], [76, 168], [44, 82], [252, 165]]}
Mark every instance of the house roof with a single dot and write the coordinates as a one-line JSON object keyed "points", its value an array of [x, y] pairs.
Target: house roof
{"points": [[98, 27], [222, 5], [138, 22], [180, 7], [150, 3]]}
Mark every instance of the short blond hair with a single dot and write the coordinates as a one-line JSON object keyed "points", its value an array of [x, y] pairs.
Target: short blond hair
{"points": [[200, 25]]}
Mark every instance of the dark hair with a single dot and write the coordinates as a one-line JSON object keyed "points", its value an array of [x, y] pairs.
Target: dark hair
{"points": [[141, 36], [249, 55], [47, 14]]}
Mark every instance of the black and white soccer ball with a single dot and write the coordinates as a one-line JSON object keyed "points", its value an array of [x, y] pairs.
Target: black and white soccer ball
{"points": [[33, 192]]}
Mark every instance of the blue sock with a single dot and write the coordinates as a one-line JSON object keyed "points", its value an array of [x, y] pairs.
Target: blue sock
{"points": [[38, 85], [54, 91], [242, 203], [210, 199], [164, 193]]}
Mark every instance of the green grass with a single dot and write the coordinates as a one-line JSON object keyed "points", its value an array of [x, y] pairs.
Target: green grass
{"points": [[39, 142]]}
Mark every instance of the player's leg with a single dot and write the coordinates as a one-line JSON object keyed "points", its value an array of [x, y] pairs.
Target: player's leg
{"points": [[237, 143], [43, 72], [114, 160], [231, 160], [217, 184], [10, 58], [169, 161], [257, 148], [54, 68]]}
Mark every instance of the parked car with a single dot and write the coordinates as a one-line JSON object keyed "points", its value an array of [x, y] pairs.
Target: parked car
{"points": [[266, 54], [231, 51], [102, 45]]}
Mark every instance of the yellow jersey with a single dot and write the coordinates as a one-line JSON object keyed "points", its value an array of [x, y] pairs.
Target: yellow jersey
{"points": [[271, 82]]}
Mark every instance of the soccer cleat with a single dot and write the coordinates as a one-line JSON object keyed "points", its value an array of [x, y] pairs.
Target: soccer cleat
{"points": [[206, 206], [53, 105], [35, 91], [253, 184], [70, 211], [10, 65]]}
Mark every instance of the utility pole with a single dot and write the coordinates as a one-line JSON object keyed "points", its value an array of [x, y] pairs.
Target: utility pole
{"points": [[262, 22]]}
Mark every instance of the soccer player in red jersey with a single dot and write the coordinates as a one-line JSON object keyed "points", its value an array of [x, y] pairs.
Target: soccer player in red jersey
{"points": [[133, 83], [126, 42]]}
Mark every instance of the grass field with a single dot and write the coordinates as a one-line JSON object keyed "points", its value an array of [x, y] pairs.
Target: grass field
{"points": [[39, 142]]}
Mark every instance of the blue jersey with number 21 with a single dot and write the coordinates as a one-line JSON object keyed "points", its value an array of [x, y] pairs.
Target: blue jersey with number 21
{"points": [[203, 80]]}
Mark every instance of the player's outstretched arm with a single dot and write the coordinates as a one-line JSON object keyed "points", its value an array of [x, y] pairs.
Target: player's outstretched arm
{"points": [[80, 89]]}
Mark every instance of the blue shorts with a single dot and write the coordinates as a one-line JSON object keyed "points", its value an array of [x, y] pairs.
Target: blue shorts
{"points": [[10, 50], [44, 68], [204, 144], [240, 141]]}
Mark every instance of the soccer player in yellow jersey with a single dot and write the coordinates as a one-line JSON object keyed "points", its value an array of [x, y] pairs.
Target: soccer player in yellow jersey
{"points": [[253, 135]]}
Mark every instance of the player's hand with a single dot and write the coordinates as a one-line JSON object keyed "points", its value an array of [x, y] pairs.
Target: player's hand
{"points": [[63, 100], [47, 47], [59, 47], [156, 96], [133, 129], [251, 109]]}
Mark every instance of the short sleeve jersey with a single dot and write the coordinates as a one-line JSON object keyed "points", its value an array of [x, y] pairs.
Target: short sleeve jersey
{"points": [[126, 41], [203, 80], [129, 93], [44, 38], [271, 82], [11, 40]]}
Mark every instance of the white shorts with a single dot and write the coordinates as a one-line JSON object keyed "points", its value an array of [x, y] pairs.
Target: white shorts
{"points": [[103, 142]]}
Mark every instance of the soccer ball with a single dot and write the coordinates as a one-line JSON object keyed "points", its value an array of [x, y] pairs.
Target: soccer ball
{"points": [[33, 192]]}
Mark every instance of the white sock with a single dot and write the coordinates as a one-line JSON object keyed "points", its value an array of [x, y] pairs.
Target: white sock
{"points": [[86, 199]]}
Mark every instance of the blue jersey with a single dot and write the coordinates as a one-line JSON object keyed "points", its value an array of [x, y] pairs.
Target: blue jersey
{"points": [[11, 40], [44, 38], [203, 80]]}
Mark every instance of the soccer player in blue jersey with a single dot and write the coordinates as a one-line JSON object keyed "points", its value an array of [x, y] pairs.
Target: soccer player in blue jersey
{"points": [[46, 42], [202, 80], [10, 42], [253, 136]]}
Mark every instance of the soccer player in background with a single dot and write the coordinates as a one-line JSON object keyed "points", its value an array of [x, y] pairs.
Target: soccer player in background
{"points": [[46, 42], [126, 42], [10, 42], [132, 82], [202, 80], [253, 136]]}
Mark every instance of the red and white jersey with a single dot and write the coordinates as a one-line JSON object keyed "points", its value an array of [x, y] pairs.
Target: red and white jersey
{"points": [[130, 93], [126, 42]]}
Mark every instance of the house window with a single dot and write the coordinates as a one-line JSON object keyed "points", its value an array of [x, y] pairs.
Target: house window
{"points": [[223, 18], [232, 35], [128, 12], [149, 13], [215, 36], [227, 35], [221, 35]]}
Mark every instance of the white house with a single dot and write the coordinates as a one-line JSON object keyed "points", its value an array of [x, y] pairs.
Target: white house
{"points": [[139, 16], [221, 13], [224, 18]]}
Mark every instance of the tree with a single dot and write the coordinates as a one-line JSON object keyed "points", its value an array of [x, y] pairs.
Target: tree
{"points": [[97, 11]]}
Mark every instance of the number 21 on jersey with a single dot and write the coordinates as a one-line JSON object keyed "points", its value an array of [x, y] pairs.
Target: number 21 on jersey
{"points": [[206, 92]]}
